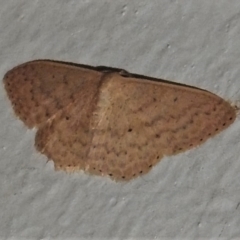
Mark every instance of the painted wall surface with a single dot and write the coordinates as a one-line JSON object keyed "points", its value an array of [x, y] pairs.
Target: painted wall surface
{"points": [[188, 196]]}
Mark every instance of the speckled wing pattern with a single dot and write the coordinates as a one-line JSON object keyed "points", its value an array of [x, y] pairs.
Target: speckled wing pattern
{"points": [[111, 122]]}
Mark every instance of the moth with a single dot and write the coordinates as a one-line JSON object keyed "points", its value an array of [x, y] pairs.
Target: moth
{"points": [[109, 122]]}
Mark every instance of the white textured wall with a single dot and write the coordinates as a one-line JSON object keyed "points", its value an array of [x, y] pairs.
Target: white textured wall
{"points": [[192, 195]]}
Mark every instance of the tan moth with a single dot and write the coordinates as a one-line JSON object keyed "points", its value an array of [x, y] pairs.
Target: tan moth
{"points": [[110, 122]]}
